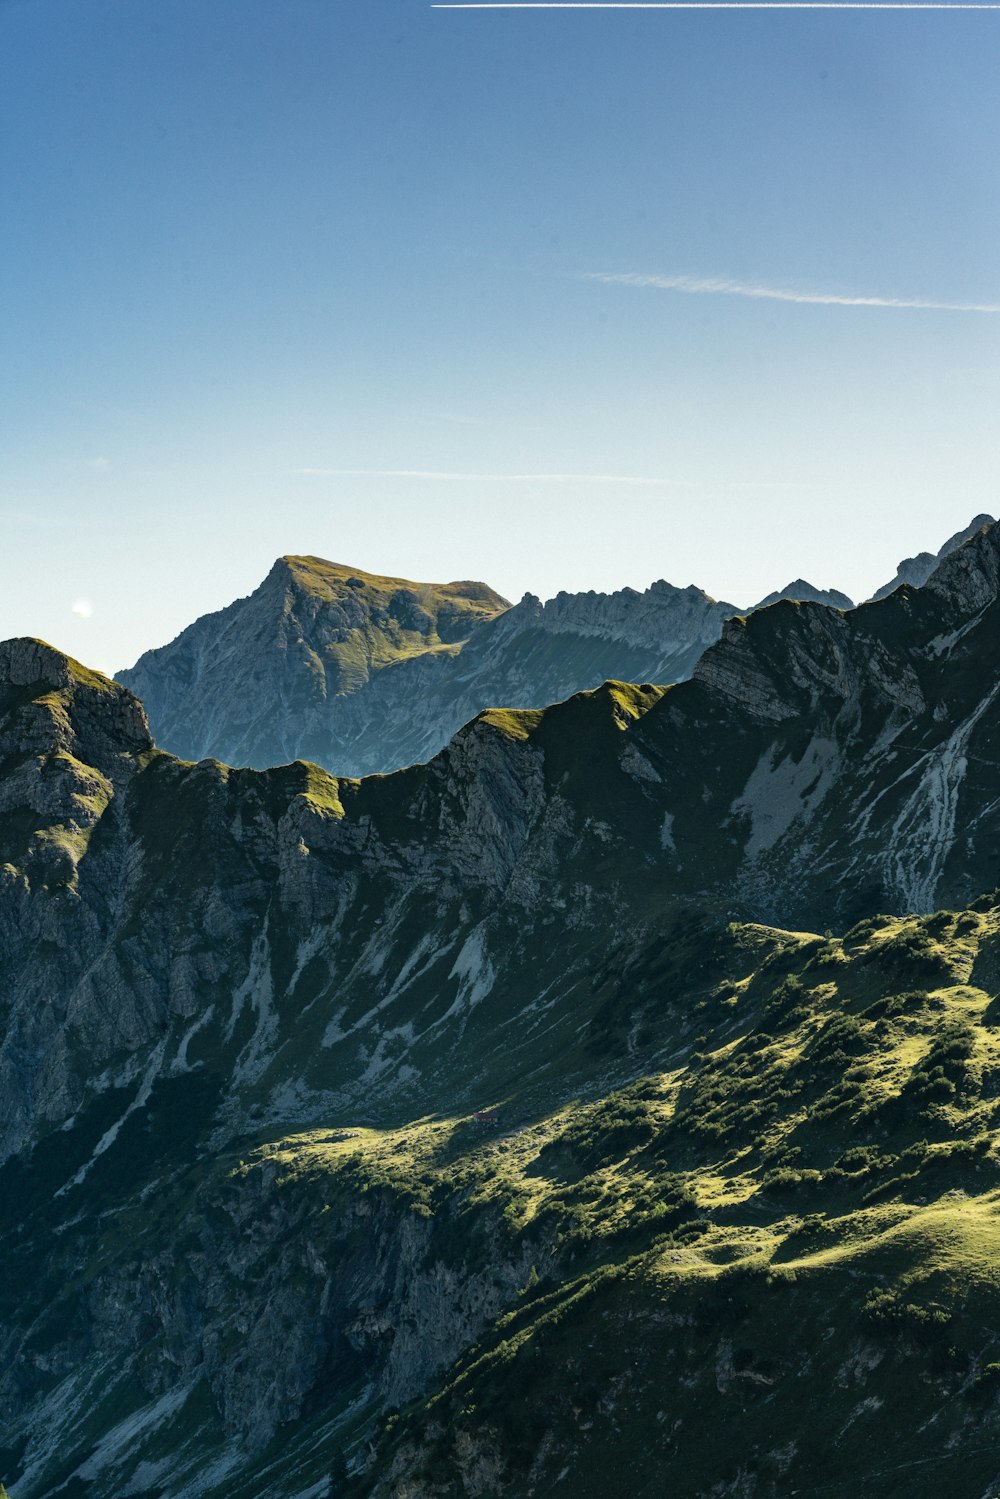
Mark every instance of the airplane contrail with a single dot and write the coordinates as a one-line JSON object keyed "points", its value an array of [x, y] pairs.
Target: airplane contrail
{"points": [[712, 5], [721, 286], [642, 481]]}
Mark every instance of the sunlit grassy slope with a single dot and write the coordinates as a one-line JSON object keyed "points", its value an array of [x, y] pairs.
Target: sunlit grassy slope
{"points": [[771, 1269], [771, 1266], [398, 619]]}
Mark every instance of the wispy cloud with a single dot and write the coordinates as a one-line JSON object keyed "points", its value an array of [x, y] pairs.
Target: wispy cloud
{"points": [[450, 475], [644, 481], [83, 608], [723, 287]]}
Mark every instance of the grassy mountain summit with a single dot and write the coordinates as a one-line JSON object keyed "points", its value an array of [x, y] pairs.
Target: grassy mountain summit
{"points": [[257, 681], [386, 619], [603, 1106]]}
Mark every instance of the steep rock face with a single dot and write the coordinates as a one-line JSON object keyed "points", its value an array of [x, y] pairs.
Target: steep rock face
{"points": [[916, 570], [866, 780], [70, 744]]}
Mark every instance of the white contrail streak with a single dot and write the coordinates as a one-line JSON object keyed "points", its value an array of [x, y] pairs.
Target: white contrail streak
{"points": [[450, 474], [640, 480], [700, 286], [712, 5]]}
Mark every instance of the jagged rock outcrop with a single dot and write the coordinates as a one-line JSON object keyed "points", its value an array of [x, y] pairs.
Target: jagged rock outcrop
{"points": [[916, 570]]}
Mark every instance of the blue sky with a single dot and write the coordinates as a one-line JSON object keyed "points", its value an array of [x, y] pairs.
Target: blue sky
{"points": [[305, 275]]}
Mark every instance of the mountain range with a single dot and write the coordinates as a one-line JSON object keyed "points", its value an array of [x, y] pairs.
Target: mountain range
{"points": [[364, 674], [608, 1105]]}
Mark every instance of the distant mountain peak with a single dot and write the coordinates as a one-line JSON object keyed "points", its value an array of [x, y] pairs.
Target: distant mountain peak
{"points": [[361, 672], [916, 570], [332, 580], [804, 592], [364, 672]]}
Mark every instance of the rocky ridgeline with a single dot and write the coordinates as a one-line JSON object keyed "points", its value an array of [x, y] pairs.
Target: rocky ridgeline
{"points": [[817, 765], [916, 570], [363, 674], [663, 620]]}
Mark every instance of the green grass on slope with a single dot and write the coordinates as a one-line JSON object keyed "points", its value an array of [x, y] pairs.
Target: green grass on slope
{"points": [[400, 618], [329, 579], [769, 1266], [774, 1270]]}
